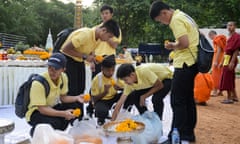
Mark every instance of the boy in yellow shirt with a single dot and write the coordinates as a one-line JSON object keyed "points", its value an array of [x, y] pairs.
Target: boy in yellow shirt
{"points": [[104, 90], [142, 82], [104, 48], [79, 46], [56, 108]]}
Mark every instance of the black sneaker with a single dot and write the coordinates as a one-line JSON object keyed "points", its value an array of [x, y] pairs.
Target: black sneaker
{"points": [[90, 114], [100, 121]]}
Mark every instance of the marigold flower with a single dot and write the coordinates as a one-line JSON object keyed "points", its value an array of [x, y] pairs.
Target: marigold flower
{"points": [[166, 42], [113, 82], [98, 58], [77, 112], [126, 126], [86, 97]]}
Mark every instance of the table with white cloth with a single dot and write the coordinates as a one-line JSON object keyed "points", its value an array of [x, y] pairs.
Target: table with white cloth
{"points": [[14, 73]]}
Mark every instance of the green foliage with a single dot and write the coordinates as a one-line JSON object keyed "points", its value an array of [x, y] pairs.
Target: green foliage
{"points": [[21, 46], [33, 18]]}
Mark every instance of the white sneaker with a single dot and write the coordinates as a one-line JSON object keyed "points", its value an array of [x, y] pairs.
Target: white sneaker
{"points": [[184, 142]]}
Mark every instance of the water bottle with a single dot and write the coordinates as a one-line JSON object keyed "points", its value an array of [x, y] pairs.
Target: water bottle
{"points": [[175, 136]]}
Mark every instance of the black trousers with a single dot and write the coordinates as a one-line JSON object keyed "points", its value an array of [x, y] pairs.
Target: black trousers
{"points": [[182, 101], [157, 98], [76, 79], [102, 107], [56, 122]]}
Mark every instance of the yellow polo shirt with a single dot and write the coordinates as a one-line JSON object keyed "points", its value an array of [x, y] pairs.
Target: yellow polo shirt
{"points": [[182, 25], [83, 40], [38, 97], [147, 75], [98, 83], [103, 48]]}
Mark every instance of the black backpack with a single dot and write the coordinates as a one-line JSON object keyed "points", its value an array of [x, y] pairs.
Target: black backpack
{"points": [[23, 96], [205, 54], [61, 38]]}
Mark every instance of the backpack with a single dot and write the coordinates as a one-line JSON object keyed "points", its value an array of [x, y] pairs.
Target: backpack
{"points": [[23, 95], [205, 54], [61, 38], [205, 51]]}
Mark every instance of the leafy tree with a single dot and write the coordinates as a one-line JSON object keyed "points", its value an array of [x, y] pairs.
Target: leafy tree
{"points": [[33, 18]]}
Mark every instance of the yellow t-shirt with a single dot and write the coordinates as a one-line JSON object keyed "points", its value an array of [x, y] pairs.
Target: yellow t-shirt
{"points": [[147, 75], [103, 48], [38, 97], [183, 25], [98, 83], [83, 40]]}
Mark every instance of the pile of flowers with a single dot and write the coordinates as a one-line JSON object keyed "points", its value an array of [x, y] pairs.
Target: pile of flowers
{"points": [[42, 54], [126, 126]]}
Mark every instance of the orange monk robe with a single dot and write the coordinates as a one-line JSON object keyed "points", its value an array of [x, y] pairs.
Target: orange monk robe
{"points": [[203, 85], [219, 42]]}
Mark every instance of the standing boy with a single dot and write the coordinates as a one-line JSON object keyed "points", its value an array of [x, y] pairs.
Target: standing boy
{"points": [[185, 49], [104, 48], [80, 46]]}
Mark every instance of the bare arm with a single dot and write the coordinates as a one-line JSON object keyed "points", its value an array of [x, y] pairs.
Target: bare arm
{"points": [[156, 87], [46, 110], [70, 50], [219, 50], [112, 43], [71, 99], [182, 43], [101, 95], [118, 106], [233, 59]]}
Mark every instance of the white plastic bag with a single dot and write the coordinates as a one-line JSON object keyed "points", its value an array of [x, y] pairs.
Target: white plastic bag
{"points": [[125, 114], [84, 127], [45, 134], [85, 131], [152, 131]]}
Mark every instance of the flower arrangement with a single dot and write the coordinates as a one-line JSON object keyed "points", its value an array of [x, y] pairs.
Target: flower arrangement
{"points": [[126, 126], [42, 54]]}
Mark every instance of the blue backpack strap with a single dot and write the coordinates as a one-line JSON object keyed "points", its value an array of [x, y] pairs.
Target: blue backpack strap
{"points": [[44, 82]]}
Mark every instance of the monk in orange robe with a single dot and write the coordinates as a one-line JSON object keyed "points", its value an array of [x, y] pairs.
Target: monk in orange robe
{"points": [[219, 43], [229, 64], [203, 85]]}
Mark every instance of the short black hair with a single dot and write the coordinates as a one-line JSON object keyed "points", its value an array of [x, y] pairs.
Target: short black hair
{"points": [[212, 32], [124, 46], [125, 70], [109, 61], [106, 7], [156, 8], [112, 27]]}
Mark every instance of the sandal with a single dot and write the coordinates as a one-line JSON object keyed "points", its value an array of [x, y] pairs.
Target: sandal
{"points": [[202, 103], [235, 99], [227, 101]]}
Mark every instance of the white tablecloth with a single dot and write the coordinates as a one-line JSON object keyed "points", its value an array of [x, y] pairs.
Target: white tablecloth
{"points": [[11, 78]]}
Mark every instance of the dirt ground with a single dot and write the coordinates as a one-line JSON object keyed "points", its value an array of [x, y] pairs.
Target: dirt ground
{"points": [[219, 123]]}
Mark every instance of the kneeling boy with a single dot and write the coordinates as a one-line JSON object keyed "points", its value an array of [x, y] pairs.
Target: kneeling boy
{"points": [[142, 82]]}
